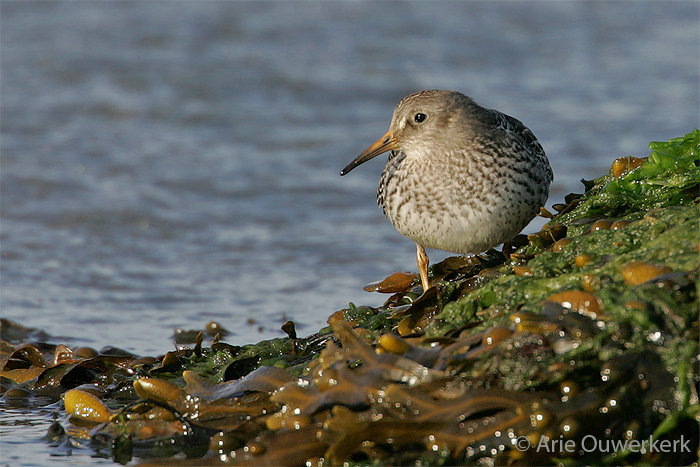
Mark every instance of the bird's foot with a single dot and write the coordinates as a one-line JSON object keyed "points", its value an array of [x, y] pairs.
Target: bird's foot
{"points": [[422, 261]]}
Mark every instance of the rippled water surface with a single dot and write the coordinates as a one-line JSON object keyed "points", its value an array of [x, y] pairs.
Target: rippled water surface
{"points": [[168, 164]]}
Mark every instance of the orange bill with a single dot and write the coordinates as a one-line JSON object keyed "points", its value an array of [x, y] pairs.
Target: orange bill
{"points": [[382, 145]]}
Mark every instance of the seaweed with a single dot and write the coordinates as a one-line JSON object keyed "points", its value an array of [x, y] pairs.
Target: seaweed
{"points": [[586, 330]]}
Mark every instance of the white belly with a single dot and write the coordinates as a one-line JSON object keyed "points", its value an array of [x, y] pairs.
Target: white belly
{"points": [[464, 217]]}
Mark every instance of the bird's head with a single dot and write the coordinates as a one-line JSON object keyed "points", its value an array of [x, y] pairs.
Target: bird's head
{"points": [[422, 123]]}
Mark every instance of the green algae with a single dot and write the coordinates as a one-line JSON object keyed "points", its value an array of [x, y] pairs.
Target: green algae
{"points": [[668, 237], [224, 362], [669, 177]]}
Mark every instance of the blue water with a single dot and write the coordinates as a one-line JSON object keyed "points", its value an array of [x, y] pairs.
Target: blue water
{"points": [[167, 164]]}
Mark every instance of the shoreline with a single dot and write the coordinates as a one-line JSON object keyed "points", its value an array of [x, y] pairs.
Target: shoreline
{"points": [[588, 329]]}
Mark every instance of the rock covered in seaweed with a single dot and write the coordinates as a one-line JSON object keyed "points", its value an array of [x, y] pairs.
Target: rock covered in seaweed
{"points": [[589, 330]]}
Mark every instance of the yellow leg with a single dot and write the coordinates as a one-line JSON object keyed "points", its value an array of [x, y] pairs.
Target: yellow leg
{"points": [[422, 260]]}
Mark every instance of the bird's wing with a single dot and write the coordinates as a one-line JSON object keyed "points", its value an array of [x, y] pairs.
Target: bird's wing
{"points": [[515, 129]]}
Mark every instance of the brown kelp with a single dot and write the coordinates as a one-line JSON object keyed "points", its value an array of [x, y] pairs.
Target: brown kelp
{"points": [[577, 345]]}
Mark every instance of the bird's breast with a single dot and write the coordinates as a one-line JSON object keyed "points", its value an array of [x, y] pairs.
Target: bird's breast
{"points": [[423, 185], [387, 181], [463, 202]]}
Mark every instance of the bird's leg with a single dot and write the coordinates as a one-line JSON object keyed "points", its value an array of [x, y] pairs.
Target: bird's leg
{"points": [[422, 260]]}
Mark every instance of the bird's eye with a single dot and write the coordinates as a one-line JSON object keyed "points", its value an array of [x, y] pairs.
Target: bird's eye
{"points": [[419, 117]]}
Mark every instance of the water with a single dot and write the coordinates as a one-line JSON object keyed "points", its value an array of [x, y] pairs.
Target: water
{"points": [[164, 165]]}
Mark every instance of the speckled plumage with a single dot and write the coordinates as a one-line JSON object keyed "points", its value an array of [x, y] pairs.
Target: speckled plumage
{"points": [[464, 179]]}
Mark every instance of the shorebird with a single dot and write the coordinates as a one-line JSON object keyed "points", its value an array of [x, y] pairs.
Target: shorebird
{"points": [[460, 177]]}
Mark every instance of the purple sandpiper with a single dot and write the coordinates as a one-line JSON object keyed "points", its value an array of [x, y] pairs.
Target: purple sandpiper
{"points": [[460, 177]]}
